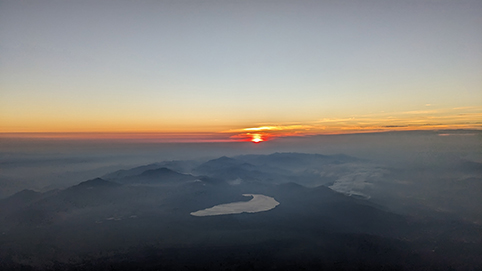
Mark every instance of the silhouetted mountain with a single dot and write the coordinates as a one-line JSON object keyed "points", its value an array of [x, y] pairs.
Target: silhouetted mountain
{"points": [[143, 220], [97, 182], [296, 161], [25, 195], [180, 165], [230, 169], [123, 173], [217, 164], [18, 201], [307, 169], [158, 176]]}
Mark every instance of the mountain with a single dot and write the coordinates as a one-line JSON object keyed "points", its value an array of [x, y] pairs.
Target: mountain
{"points": [[18, 201], [22, 197], [307, 169], [175, 165], [96, 183], [123, 173], [142, 219], [217, 164], [157, 176], [297, 161]]}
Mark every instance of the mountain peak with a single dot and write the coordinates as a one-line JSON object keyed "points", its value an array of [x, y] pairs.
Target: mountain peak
{"points": [[25, 194], [97, 182], [223, 159], [158, 171]]}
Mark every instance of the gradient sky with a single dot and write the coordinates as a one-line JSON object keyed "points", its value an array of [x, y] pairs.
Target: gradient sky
{"points": [[225, 67]]}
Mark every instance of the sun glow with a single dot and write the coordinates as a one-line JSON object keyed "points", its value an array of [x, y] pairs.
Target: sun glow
{"points": [[256, 138]]}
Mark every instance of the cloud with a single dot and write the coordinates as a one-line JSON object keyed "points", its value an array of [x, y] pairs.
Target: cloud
{"points": [[463, 107], [435, 119], [358, 179], [263, 128], [421, 112], [271, 128], [457, 134]]}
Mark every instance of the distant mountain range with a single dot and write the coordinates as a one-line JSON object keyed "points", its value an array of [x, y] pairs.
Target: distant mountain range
{"points": [[140, 217]]}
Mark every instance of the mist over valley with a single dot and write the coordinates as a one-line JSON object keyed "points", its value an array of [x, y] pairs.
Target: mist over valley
{"points": [[249, 211], [241, 135]]}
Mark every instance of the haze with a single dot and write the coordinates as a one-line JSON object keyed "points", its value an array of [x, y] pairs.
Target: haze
{"points": [[241, 135]]}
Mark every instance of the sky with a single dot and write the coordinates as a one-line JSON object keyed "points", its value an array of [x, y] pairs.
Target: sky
{"points": [[238, 70]]}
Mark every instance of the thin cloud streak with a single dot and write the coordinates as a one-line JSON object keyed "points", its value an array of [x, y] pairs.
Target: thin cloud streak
{"points": [[435, 119], [131, 137]]}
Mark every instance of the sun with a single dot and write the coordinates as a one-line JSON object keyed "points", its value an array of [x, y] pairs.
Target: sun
{"points": [[256, 138]]}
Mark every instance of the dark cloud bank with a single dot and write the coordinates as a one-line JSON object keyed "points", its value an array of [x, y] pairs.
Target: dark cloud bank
{"points": [[391, 201]]}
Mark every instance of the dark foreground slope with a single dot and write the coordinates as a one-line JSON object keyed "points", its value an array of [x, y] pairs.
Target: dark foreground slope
{"points": [[121, 224]]}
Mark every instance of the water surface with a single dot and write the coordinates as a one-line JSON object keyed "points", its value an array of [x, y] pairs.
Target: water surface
{"points": [[259, 203]]}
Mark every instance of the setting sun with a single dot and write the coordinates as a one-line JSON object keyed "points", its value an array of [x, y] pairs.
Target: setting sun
{"points": [[257, 138]]}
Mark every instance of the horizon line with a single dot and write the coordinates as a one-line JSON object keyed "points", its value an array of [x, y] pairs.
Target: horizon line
{"points": [[192, 137]]}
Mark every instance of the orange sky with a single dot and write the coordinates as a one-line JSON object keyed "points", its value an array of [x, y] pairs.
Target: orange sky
{"points": [[427, 119], [228, 69]]}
